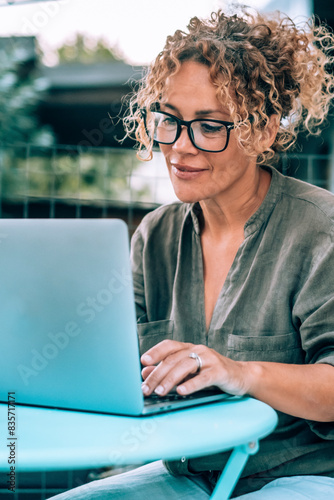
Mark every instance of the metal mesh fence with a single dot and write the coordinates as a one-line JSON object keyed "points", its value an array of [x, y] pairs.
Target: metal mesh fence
{"points": [[66, 181], [72, 181]]}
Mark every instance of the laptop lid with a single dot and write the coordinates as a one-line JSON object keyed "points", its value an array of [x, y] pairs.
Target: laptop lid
{"points": [[67, 315]]}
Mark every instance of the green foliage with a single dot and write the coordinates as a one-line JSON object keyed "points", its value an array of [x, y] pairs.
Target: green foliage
{"points": [[87, 50], [19, 97], [31, 165], [96, 174]]}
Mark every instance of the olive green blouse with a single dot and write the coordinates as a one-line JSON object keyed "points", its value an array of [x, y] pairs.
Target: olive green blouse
{"points": [[277, 304]]}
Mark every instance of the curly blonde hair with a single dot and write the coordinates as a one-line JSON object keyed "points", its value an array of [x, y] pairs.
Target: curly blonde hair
{"points": [[273, 67]]}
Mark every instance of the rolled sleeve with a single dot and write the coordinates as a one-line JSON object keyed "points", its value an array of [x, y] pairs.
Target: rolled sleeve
{"points": [[314, 308]]}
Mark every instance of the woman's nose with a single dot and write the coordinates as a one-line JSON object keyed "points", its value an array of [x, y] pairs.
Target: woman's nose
{"points": [[183, 144]]}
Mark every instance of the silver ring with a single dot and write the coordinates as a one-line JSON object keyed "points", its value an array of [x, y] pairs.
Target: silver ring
{"points": [[195, 356]]}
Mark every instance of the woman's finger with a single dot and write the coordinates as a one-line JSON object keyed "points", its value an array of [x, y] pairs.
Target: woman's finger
{"points": [[160, 351], [147, 371], [170, 372]]}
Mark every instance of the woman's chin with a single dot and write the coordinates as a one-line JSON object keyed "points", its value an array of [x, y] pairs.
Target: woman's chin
{"points": [[187, 195], [187, 198]]}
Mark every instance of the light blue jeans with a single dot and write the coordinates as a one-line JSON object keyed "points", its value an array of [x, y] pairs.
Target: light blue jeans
{"points": [[154, 482]]}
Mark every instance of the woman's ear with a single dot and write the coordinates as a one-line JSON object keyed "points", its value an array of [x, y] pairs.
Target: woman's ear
{"points": [[270, 132]]}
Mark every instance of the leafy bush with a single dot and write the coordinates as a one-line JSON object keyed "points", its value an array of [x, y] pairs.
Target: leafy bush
{"points": [[20, 90]]}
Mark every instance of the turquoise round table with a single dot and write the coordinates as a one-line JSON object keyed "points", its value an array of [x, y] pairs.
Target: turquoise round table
{"points": [[50, 439]]}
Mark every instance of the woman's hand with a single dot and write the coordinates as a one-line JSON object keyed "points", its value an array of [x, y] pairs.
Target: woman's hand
{"points": [[168, 365], [305, 391]]}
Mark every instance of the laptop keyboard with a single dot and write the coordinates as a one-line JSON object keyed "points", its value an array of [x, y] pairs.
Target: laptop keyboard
{"points": [[174, 396]]}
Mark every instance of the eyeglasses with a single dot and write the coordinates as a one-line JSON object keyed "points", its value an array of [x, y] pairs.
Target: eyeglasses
{"points": [[207, 135]]}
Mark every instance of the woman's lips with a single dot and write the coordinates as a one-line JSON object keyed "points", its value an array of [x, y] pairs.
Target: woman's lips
{"points": [[187, 172]]}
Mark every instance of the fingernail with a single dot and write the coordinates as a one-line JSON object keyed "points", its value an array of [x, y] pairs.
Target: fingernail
{"points": [[181, 389], [146, 359], [145, 388], [159, 390]]}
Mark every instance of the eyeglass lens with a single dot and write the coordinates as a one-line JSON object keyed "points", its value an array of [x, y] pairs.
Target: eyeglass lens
{"points": [[206, 134]]}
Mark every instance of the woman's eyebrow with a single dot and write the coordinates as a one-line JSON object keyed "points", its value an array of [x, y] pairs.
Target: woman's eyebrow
{"points": [[170, 106], [202, 112], [210, 112]]}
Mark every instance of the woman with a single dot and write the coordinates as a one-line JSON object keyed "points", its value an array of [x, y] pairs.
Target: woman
{"points": [[241, 272]]}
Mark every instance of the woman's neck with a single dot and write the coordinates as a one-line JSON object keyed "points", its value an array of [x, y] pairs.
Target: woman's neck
{"points": [[228, 214]]}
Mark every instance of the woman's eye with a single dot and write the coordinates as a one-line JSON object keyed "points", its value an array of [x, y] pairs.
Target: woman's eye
{"points": [[167, 122], [212, 128]]}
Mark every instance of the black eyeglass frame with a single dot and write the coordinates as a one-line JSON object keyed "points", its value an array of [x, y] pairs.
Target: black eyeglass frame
{"points": [[187, 123]]}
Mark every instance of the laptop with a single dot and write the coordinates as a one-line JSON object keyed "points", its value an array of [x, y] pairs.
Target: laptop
{"points": [[68, 322]]}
